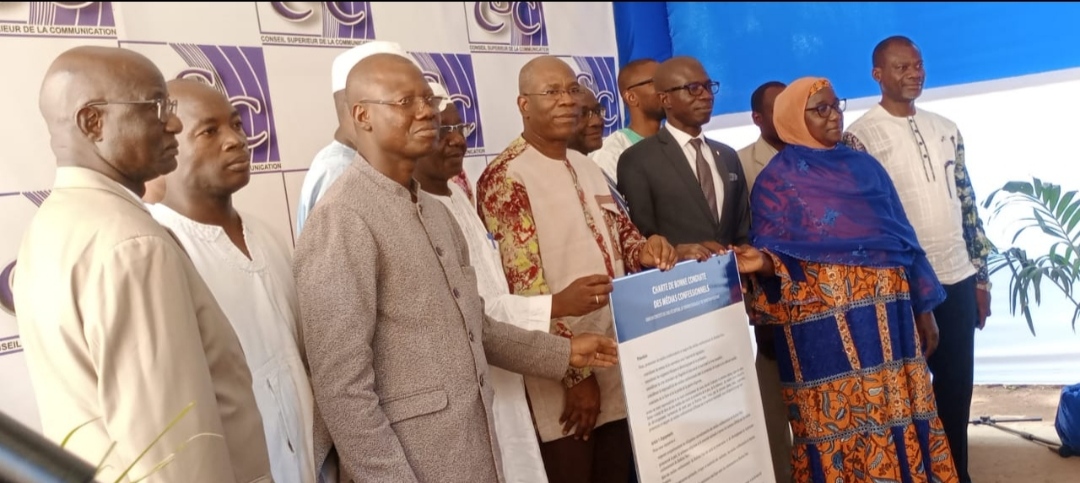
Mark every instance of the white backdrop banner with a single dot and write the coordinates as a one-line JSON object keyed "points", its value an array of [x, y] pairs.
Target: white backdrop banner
{"points": [[272, 59]]}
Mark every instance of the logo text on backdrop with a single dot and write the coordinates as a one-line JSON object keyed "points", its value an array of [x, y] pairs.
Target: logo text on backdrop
{"points": [[90, 20], [315, 24], [506, 27]]}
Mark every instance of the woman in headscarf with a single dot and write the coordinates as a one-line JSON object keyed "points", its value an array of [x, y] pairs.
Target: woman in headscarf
{"points": [[836, 269]]}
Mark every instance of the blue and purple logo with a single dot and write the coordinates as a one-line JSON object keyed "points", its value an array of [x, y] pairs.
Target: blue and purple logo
{"points": [[506, 27], [7, 272], [455, 72], [598, 75], [91, 20], [239, 73], [315, 24]]}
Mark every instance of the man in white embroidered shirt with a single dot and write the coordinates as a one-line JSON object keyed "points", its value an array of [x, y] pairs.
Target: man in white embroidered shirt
{"points": [[248, 270], [924, 155]]}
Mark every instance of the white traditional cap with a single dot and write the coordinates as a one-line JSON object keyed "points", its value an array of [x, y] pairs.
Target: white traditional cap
{"points": [[438, 90], [339, 71]]}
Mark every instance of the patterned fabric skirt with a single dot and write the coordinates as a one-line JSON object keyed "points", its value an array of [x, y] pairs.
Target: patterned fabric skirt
{"points": [[858, 392]]}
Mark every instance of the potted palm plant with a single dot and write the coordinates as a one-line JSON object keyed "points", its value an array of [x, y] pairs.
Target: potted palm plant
{"points": [[1054, 215]]}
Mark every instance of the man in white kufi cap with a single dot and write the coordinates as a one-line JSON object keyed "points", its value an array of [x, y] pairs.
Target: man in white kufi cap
{"points": [[332, 160]]}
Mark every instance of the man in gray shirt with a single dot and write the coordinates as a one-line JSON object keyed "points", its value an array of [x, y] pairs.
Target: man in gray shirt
{"points": [[397, 341]]}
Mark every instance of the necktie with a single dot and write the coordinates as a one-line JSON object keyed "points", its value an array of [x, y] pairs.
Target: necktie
{"points": [[705, 179]]}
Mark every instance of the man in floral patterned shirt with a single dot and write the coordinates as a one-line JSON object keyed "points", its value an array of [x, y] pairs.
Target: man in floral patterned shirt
{"points": [[555, 221]]}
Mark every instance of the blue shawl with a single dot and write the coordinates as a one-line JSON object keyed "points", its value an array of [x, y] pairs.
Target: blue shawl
{"points": [[839, 206]]}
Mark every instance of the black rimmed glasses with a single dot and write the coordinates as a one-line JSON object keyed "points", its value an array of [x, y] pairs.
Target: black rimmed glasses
{"points": [[639, 84], [165, 107], [413, 102], [697, 88], [823, 110]]}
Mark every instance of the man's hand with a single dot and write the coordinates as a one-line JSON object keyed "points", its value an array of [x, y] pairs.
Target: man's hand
{"points": [[593, 350], [751, 260], [658, 253], [693, 251], [581, 297], [928, 332], [982, 300], [581, 408]]}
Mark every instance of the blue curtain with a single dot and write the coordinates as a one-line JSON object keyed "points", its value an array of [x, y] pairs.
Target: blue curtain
{"points": [[743, 45]]}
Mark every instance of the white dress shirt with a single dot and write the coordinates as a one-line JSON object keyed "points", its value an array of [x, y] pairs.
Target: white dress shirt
{"points": [[259, 297], [683, 139], [919, 153], [522, 462], [326, 168]]}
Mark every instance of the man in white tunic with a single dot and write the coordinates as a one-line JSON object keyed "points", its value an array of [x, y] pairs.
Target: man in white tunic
{"points": [[248, 270], [924, 155], [522, 462]]}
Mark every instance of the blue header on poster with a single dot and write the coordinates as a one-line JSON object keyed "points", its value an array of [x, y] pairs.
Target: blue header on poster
{"points": [[650, 301]]}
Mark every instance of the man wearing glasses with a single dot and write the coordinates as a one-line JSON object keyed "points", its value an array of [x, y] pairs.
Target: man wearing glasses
{"points": [[395, 334], [330, 162], [677, 183], [557, 225], [646, 114], [590, 136], [122, 335]]}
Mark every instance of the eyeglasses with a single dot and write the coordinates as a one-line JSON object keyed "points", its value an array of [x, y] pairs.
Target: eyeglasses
{"points": [[165, 107], [823, 109], [465, 129], [598, 111], [639, 84], [413, 102], [556, 93], [697, 88]]}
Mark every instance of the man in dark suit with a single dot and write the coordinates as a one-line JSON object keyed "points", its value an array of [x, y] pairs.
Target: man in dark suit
{"points": [[677, 183]]}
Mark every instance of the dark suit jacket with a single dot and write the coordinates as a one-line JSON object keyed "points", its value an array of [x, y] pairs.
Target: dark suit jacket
{"points": [[665, 198]]}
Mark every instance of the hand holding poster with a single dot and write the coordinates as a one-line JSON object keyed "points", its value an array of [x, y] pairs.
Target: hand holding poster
{"points": [[688, 370]]}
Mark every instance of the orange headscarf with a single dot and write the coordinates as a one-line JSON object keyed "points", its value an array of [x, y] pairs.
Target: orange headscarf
{"points": [[789, 111]]}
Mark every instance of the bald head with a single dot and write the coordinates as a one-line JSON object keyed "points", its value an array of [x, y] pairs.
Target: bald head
{"points": [[636, 73], [90, 73], [531, 73], [673, 72], [193, 90], [375, 74], [127, 132]]}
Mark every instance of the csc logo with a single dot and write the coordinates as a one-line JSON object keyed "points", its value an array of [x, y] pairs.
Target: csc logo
{"points": [[493, 16], [335, 9]]}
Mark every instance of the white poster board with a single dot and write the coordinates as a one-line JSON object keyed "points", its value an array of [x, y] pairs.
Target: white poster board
{"points": [[687, 363]]}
